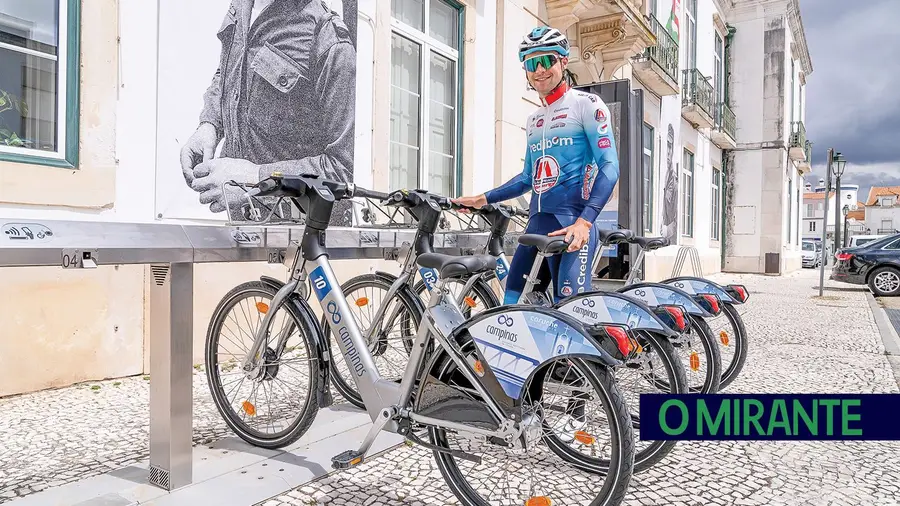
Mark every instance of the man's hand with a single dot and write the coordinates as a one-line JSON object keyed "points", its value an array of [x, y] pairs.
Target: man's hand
{"points": [[477, 201], [210, 175], [199, 148], [579, 232]]}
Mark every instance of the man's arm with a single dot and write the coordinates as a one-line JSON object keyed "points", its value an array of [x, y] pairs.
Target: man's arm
{"points": [[212, 103], [597, 127], [519, 185], [335, 93]]}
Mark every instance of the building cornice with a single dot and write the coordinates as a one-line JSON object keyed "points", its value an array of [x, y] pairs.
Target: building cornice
{"points": [[796, 24]]}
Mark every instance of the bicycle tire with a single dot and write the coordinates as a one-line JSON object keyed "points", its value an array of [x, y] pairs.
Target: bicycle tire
{"points": [[733, 370], [616, 483], [678, 384], [298, 320], [347, 386], [713, 380]]}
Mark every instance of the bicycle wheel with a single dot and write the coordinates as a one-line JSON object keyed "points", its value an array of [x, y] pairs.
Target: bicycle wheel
{"points": [[479, 298], [275, 405], [390, 346], [700, 354], [534, 467], [732, 338], [658, 369]]}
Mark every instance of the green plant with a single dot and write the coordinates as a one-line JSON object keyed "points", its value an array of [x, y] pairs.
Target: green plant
{"points": [[9, 102]]}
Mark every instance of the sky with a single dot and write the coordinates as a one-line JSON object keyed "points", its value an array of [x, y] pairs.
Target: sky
{"points": [[853, 94]]}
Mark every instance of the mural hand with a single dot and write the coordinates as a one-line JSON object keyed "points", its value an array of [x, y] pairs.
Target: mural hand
{"points": [[209, 177], [200, 147]]}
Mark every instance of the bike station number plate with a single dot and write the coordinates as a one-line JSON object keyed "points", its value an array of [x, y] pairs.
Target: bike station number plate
{"points": [[79, 259]]}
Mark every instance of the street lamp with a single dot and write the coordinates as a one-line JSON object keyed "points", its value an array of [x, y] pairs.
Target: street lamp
{"points": [[837, 167], [846, 211]]}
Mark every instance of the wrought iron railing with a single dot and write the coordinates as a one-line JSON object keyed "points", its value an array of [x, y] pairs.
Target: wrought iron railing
{"points": [[665, 52], [725, 120], [697, 90], [798, 135], [886, 231]]}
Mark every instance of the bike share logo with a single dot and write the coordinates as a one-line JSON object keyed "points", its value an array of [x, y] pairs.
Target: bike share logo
{"points": [[546, 174], [334, 316], [498, 330], [585, 309], [545, 144]]}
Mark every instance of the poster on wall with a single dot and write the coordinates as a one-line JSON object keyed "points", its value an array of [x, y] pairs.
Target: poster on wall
{"points": [[247, 88], [670, 127]]}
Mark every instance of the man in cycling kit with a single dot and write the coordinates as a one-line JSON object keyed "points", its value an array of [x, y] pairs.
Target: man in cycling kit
{"points": [[571, 167]]}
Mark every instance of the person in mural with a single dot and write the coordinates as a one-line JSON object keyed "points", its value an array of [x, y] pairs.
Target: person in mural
{"points": [[282, 100], [571, 168], [670, 192]]}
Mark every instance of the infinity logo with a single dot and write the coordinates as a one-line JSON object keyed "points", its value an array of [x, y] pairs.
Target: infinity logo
{"points": [[588, 302], [679, 284], [332, 309], [640, 293], [505, 320]]}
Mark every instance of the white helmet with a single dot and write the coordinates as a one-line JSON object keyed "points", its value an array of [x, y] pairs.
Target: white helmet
{"points": [[543, 38]]}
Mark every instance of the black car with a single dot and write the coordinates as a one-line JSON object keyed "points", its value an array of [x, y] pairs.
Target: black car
{"points": [[875, 263]]}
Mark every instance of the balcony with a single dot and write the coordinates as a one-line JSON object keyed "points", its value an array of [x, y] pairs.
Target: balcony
{"points": [[723, 135], [657, 66], [797, 145], [697, 99], [805, 165]]}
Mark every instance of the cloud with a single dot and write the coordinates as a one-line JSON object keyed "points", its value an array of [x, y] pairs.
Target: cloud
{"points": [[864, 175], [852, 103]]}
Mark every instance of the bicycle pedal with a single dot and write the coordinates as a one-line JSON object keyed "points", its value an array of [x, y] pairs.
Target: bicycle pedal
{"points": [[347, 459]]}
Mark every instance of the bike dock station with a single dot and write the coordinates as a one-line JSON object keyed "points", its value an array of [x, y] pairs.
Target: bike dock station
{"points": [[171, 251]]}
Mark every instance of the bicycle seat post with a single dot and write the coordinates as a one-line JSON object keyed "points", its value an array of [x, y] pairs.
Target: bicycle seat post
{"points": [[532, 279]]}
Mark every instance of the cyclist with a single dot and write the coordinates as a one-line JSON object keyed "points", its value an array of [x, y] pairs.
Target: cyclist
{"points": [[571, 167]]}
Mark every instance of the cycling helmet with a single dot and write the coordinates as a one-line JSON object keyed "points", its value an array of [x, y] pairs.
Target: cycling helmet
{"points": [[543, 38]]}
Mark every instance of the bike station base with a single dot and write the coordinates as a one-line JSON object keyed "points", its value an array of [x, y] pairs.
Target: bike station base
{"points": [[229, 471]]}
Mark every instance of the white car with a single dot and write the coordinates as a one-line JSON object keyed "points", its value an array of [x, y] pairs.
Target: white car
{"points": [[859, 240], [811, 254]]}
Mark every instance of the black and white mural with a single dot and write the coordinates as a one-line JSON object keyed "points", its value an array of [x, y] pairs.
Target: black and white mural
{"points": [[248, 88]]}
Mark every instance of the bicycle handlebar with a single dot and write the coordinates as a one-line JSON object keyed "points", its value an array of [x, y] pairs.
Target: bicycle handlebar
{"points": [[359, 191]]}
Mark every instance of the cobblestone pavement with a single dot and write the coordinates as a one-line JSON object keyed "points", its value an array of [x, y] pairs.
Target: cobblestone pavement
{"points": [[798, 344]]}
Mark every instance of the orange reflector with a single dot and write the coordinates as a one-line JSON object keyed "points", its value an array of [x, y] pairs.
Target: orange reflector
{"points": [[695, 361], [262, 307], [355, 461], [249, 408], [584, 438], [538, 501], [723, 336], [479, 368], [362, 301], [469, 301]]}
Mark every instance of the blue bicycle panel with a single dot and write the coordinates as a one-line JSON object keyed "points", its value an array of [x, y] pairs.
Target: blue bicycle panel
{"points": [[429, 277], [502, 269], [604, 308], [657, 295]]}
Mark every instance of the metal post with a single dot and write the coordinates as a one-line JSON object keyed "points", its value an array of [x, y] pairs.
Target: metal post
{"points": [[825, 222], [845, 241], [171, 349], [837, 213]]}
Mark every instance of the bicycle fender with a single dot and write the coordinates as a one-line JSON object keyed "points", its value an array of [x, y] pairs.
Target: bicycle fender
{"points": [[612, 307], [513, 341], [696, 286], [655, 294], [323, 345]]}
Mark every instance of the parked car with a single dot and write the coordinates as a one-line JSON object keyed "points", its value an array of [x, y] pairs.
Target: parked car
{"points": [[811, 254], [859, 240], [875, 263]]}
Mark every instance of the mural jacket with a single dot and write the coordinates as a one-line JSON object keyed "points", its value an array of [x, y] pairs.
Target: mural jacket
{"points": [[284, 93], [571, 165]]}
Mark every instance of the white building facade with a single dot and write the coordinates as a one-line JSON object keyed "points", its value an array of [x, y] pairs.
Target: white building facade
{"points": [[441, 103]]}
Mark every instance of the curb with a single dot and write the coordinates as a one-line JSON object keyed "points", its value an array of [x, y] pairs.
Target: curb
{"points": [[888, 336]]}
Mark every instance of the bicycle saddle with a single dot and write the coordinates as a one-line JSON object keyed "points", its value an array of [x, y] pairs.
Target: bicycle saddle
{"points": [[451, 266], [545, 244], [615, 236], [651, 243]]}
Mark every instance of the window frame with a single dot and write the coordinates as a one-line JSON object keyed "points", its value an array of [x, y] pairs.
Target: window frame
{"points": [[690, 15], [428, 45], [716, 204], [68, 95], [687, 205], [812, 226], [647, 174]]}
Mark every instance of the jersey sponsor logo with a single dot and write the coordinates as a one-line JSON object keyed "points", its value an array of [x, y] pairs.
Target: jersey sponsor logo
{"points": [[588, 183], [600, 116], [557, 125], [602, 128], [603, 142], [539, 123], [550, 143], [559, 116], [546, 174], [582, 266], [566, 291]]}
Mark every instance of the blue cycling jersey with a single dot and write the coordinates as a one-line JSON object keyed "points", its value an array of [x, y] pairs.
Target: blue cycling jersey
{"points": [[571, 164]]}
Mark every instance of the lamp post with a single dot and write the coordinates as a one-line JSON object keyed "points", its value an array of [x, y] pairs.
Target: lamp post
{"points": [[838, 168], [845, 210]]}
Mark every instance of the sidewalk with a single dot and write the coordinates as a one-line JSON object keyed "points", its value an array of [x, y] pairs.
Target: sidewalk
{"points": [[798, 344]]}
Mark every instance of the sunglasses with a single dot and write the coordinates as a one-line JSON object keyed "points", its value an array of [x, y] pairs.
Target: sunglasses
{"points": [[546, 61]]}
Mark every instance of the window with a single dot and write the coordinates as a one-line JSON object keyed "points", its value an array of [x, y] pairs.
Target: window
{"points": [[792, 91], [39, 57], [812, 226], [886, 201], [687, 194], [887, 225], [716, 199], [425, 97], [719, 71], [809, 209], [691, 46], [647, 178], [790, 218]]}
